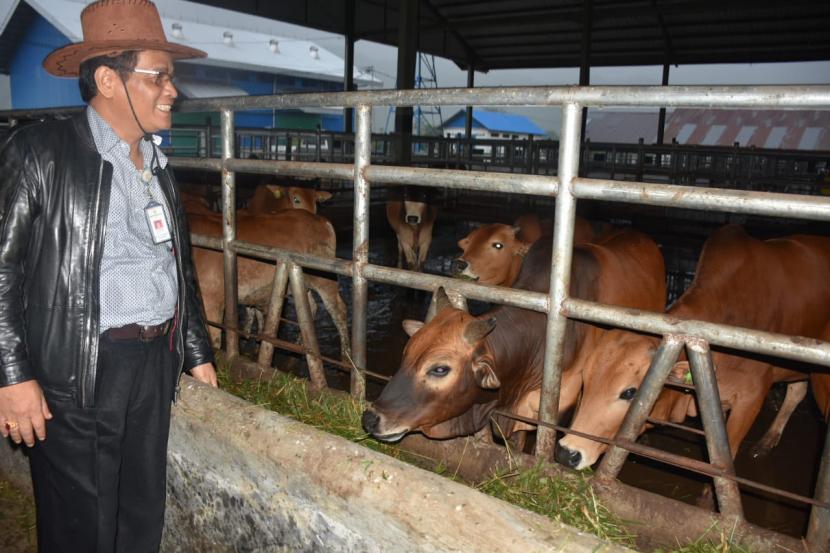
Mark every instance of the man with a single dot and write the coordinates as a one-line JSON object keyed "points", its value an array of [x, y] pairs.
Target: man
{"points": [[99, 310]]}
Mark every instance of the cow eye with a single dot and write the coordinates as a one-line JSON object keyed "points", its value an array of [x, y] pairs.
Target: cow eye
{"points": [[440, 371], [498, 245], [628, 393]]}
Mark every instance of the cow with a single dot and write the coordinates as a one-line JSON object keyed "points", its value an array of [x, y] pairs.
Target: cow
{"points": [[493, 254], [775, 285], [411, 216], [195, 203], [273, 198], [456, 368], [293, 229]]}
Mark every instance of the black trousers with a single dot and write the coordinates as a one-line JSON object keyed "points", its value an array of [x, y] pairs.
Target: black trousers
{"points": [[99, 477]]}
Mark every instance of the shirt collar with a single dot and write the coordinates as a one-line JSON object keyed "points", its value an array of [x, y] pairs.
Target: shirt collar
{"points": [[106, 141]]}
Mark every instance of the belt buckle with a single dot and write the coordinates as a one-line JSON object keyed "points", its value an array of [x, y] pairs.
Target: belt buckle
{"points": [[141, 330]]}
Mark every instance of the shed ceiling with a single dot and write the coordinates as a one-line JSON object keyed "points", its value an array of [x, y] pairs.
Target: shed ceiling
{"points": [[507, 34]]}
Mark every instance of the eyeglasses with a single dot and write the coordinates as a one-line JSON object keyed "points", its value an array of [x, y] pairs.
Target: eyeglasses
{"points": [[161, 78]]}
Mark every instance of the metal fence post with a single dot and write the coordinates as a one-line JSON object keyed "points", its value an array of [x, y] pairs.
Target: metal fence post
{"points": [[711, 413], [316, 372], [560, 278], [229, 236], [818, 530], [360, 255], [272, 318]]}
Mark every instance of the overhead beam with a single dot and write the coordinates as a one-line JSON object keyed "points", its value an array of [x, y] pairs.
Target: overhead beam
{"points": [[407, 54]]}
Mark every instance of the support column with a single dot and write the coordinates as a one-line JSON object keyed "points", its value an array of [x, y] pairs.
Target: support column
{"points": [[407, 53], [585, 66], [468, 123], [348, 64], [661, 120]]}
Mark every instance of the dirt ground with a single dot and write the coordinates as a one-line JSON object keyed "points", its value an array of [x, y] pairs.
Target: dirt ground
{"points": [[17, 518]]}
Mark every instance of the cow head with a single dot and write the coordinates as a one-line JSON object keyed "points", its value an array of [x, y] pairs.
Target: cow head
{"points": [[446, 377], [491, 254], [611, 377], [296, 197]]}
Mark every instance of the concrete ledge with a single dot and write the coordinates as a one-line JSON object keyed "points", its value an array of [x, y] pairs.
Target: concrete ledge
{"points": [[242, 478]]}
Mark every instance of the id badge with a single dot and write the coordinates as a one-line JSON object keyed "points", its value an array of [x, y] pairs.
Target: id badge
{"points": [[157, 222]]}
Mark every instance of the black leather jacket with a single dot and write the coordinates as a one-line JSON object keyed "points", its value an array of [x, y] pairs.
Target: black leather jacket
{"points": [[54, 199]]}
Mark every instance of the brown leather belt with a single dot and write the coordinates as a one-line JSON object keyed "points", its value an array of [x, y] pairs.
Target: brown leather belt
{"points": [[139, 332]]}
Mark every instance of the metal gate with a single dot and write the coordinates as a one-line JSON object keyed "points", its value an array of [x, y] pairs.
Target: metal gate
{"points": [[567, 188]]}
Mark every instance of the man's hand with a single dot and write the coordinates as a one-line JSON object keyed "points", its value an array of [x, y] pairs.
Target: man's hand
{"points": [[205, 373], [23, 412]]}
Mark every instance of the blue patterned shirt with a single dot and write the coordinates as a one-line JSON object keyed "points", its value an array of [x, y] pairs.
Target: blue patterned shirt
{"points": [[138, 278]]}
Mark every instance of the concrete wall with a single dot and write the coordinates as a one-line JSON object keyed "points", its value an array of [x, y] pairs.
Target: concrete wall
{"points": [[241, 478]]}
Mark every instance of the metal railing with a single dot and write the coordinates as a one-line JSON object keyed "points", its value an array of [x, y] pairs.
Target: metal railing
{"points": [[568, 187]]}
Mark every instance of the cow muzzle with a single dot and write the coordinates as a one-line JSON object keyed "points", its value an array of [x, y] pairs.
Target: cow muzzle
{"points": [[568, 457], [413, 219], [458, 265], [373, 424]]}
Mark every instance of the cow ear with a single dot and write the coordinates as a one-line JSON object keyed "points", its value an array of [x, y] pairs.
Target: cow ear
{"points": [[515, 230], [478, 329], [681, 372], [411, 326], [485, 375], [275, 189], [463, 243], [322, 196]]}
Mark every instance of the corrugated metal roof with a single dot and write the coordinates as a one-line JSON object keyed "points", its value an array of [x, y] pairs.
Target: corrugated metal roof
{"points": [[500, 34], [498, 121], [626, 127], [774, 129], [203, 27]]}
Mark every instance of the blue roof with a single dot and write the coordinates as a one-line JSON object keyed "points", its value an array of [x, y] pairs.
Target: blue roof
{"points": [[496, 121]]}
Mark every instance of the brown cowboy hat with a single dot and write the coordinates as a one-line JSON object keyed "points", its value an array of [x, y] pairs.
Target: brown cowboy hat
{"points": [[111, 27]]}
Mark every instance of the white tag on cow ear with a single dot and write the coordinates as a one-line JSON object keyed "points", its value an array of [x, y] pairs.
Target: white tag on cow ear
{"points": [[485, 375]]}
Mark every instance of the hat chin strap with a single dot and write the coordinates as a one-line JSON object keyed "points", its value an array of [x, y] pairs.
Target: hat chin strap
{"points": [[155, 164]]}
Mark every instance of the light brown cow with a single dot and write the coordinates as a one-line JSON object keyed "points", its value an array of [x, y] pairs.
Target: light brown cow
{"points": [[292, 229], [493, 254], [195, 203], [411, 216], [776, 286], [457, 368], [272, 198]]}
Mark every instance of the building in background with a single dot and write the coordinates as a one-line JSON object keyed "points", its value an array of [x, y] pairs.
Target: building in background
{"points": [[492, 124], [244, 58], [807, 130]]}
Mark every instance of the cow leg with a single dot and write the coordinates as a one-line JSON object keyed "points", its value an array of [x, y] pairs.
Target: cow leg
{"points": [[796, 392], [334, 304], [745, 407], [424, 242]]}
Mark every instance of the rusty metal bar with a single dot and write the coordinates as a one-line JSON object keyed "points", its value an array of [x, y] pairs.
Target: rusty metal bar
{"points": [[229, 235], [700, 467], [641, 405], [818, 529], [812, 96], [797, 348], [360, 252], [711, 413], [711, 199], [316, 374], [560, 279], [272, 318]]}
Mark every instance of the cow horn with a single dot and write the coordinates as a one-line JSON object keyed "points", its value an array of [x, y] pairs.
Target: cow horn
{"points": [[440, 300], [478, 329]]}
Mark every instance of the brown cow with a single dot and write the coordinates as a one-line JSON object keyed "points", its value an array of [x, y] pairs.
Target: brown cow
{"points": [[292, 229], [457, 368], [820, 382], [493, 254], [195, 203], [411, 216], [776, 285], [272, 198]]}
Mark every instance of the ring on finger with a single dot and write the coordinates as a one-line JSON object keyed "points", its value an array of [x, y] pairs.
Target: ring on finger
{"points": [[12, 425]]}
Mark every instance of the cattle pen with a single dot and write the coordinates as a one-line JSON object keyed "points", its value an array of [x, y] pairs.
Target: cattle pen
{"points": [[567, 187]]}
